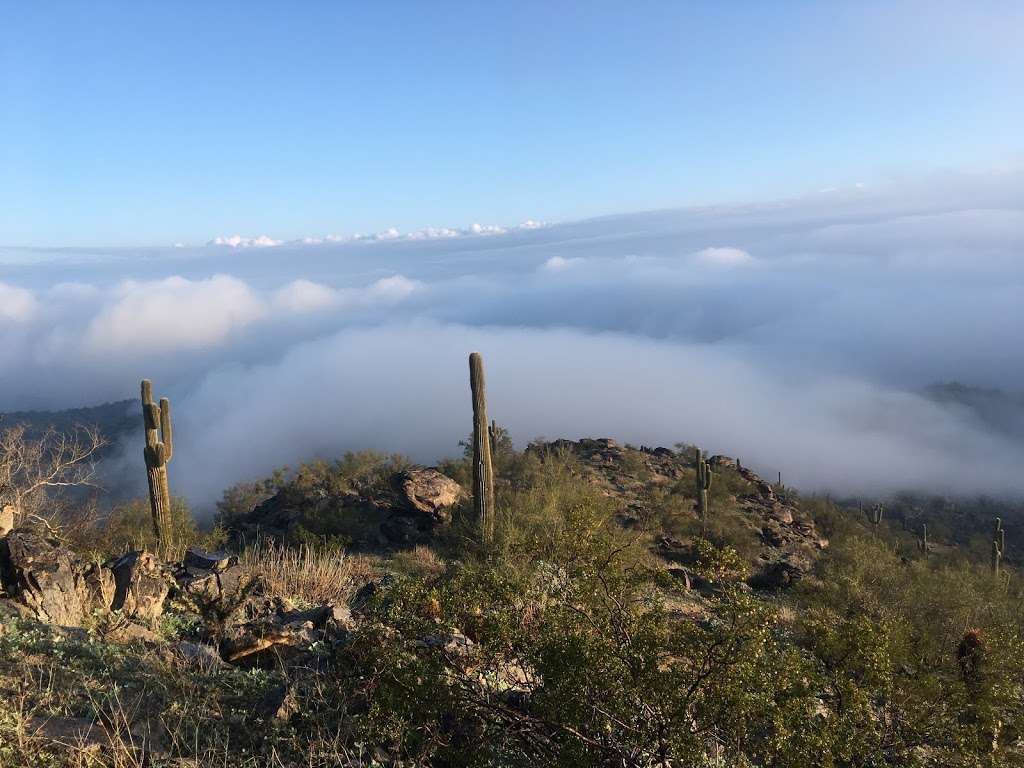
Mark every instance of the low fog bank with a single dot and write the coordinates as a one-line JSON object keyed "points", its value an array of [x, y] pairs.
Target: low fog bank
{"points": [[405, 388], [800, 335]]}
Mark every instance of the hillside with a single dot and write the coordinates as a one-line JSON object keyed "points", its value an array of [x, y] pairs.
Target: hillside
{"points": [[113, 420], [355, 618]]}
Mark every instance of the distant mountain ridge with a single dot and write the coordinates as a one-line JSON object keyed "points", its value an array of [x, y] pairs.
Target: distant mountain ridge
{"points": [[113, 419]]}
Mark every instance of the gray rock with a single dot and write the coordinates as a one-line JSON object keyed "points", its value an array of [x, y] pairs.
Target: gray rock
{"points": [[140, 585], [45, 578]]}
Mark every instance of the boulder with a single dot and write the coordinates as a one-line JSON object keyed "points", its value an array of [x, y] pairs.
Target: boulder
{"points": [[208, 561], [205, 657], [140, 586], [44, 577], [216, 593], [430, 493]]}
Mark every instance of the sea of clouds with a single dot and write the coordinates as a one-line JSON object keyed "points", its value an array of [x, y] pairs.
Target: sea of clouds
{"points": [[797, 334]]}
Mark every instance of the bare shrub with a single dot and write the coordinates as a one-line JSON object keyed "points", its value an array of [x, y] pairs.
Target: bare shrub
{"points": [[34, 466]]}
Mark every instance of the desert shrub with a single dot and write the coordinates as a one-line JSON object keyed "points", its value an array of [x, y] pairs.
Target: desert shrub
{"points": [[574, 662], [130, 526], [240, 499]]}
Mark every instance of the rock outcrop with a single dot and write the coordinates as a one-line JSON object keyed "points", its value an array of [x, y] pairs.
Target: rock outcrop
{"points": [[397, 513], [785, 541], [50, 583], [46, 578]]}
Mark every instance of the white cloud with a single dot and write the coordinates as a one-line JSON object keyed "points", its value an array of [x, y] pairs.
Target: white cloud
{"points": [[173, 314], [560, 263], [305, 296], [17, 304], [486, 229], [433, 233], [237, 241], [724, 257], [392, 289]]}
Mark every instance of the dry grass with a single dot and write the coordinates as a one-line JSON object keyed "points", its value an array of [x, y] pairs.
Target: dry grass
{"points": [[420, 561], [314, 576]]}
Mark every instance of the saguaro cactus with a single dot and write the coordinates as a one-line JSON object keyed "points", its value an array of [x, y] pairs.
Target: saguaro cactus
{"points": [[922, 543], [703, 483], [158, 451], [483, 470], [998, 545], [876, 516]]}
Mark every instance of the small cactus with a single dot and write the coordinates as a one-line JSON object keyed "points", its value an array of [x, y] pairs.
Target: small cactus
{"points": [[703, 483], [483, 436], [998, 546], [158, 452]]}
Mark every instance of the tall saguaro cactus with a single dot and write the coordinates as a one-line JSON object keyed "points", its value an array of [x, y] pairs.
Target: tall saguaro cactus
{"points": [[158, 451], [702, 486], [483, 470], [923, 544]]}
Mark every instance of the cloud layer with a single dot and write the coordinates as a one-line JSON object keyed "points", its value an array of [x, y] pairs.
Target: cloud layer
{"points": [[798, 334]]}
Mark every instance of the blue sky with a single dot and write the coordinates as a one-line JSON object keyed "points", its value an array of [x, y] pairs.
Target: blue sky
{"points": [[153, 123]]}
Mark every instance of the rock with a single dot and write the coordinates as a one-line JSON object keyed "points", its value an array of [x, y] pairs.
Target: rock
{"points": [[453, 643], [208, 561], [203, 656], [6, 520], [279, 703], [11, 610], [782, 515], [69, 732], [722, 461], [133, 633], [780, 574], [431, 493], [100, 581], [243, 641], [44, 577], [140, 588]]}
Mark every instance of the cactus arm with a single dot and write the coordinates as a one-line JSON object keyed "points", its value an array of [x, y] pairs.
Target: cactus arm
{"points": [[166, 431]]}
